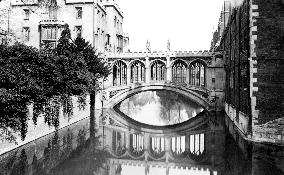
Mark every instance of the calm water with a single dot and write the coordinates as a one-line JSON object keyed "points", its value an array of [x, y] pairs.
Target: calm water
{"points": [[159, 108], [199, 146]]}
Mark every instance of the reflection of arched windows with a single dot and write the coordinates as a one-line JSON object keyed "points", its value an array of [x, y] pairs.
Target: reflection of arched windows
{"points": [[137, 72], [197, 74], [179, 72], [119, 73], [118, 142], [158, 71], [136, 143], [178, 144], [196, 144], [157, 144]]}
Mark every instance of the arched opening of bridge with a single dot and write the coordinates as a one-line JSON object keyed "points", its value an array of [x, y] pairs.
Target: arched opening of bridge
{"points": [[179, 71], [197, 74], [158, 71], [137, 72], [119, 73]]}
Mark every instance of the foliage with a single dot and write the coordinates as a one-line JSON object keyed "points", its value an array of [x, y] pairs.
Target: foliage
{"points": [[47, 79]]}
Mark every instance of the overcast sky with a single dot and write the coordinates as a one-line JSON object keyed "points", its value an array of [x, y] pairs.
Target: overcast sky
{"points": [[188, 24]]}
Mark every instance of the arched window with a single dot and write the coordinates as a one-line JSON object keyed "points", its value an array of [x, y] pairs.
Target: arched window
{"points": [[197, 74], [179, 72], [137, 72], [158, 71], [119, 73]]}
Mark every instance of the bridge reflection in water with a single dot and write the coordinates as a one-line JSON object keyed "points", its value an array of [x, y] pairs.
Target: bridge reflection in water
{"points": [[200, 144], [181, 148]]}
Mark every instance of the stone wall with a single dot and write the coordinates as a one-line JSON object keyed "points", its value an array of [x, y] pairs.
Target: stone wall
{"points": [[253, 49]]}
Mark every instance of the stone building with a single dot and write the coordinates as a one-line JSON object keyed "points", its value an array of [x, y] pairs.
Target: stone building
{"points": [[35, 22], [250, 38]]}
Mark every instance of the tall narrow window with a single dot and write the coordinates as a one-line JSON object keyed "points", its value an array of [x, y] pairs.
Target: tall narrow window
{"points": [[119, 73], [26, 14], [179, 71], [52, 13], [26, 31], [137, 72], [79, 12], [114, 21], [197, 74], [78, 30], [158, 71]]}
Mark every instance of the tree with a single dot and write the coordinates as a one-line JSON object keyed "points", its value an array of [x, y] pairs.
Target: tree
{"points": [[18, 86], [47, 79], [92, 68]]}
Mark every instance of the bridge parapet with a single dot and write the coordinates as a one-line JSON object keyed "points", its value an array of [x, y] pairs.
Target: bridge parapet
{"points": [[124, 55]]}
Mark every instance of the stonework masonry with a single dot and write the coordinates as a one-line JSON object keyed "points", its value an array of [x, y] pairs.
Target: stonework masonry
{"points": [[100, 22], [252, 44]]}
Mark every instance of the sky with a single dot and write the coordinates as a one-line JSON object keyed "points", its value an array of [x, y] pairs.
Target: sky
{"points": [[187, 24]]}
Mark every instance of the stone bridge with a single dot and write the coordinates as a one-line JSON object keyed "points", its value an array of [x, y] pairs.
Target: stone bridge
{"points": [[197, 75]]}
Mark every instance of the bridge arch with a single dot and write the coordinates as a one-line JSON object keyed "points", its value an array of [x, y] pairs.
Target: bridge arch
{"points": [[128, 92]]}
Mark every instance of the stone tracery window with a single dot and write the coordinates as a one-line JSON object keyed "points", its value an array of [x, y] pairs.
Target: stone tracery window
{"points": [[179, 71], [158, 71], [137, 72], [119, 73], [197, 74]]}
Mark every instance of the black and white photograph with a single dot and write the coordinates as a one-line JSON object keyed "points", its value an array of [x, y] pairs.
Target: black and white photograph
{"points": [[141, 87]]}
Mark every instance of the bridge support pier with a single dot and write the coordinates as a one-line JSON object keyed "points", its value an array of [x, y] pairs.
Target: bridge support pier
{"points": [[169, 69], [128, 78]]}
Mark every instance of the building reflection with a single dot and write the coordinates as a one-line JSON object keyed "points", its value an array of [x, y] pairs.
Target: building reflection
{"points": [[196, 148], [201, 146]]}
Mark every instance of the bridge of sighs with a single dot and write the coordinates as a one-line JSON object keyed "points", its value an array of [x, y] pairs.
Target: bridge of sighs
{"points": [[198, 75]]}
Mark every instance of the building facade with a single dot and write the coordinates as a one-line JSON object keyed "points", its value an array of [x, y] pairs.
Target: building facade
{"points": [[35, 22], [250, 38]]}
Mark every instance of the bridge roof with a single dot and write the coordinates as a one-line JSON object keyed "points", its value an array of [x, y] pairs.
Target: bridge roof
{"points": [[180, 54]]}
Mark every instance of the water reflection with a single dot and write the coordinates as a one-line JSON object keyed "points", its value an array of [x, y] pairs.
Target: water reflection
{"points": [[207, 149], [159, 108]]}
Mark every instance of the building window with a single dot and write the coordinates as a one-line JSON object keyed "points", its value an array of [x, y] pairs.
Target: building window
{"points": [[49, 35], [26, 31], [197, 74], [52, 13], [158, 71], [137, 72], [79, 12], [27, 14], [119, 73], [78, 30], [115, 21], [179, 72]]}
